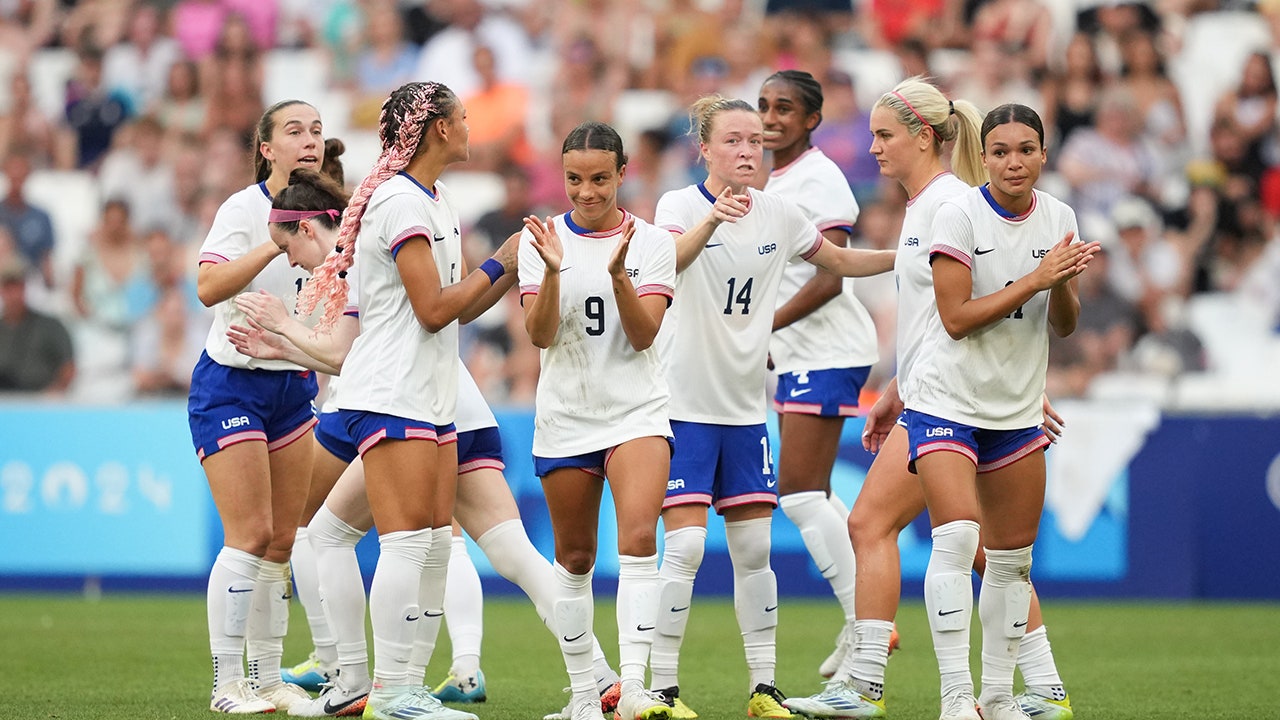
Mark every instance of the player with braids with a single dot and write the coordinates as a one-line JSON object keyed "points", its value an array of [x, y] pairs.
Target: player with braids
{"points": [[398, 394], [732, 245], [251, 422]]}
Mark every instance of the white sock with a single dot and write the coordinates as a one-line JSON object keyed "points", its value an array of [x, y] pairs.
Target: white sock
{"points": [[1003, 605], [307, 581], [755, 596], [865, 664], [637, 611], [681, 557], [342, 593], [229, 599], [393, 603], [826, 535], [573, 619], [431, 591], [948, 599], [464, 610], [514, 557], [268, 623], [1039, 671]]}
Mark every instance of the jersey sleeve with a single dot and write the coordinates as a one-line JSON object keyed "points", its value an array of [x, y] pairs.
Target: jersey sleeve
{"points": [[668, 216], [658, 265], [829, 203], [951, 234], [228, 237], [353, 293], [401, 217], [803, 235], [532, 267]]}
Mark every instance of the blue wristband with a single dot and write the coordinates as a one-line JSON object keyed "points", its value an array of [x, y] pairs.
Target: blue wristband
{"points": [[493, 269]]}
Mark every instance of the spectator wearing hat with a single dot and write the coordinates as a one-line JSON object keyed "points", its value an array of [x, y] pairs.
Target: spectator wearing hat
{"points": [[35, 349]]}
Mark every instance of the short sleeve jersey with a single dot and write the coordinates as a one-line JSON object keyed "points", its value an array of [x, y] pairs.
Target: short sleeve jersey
{"points": [[994, 378], [396, 367], [239, 226], [839, 334], [595, 391], [715, 341], [912, 273]]}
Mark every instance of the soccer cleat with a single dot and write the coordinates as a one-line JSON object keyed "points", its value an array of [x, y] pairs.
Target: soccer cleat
{"points": [[334, 701], [610, 688], [895, 640], [679, 711], [609, 697], [584, 709], [239, 698], [838, 700], [284, 695], [310, 674], [766, 702], [642, 705], [465, 689], [844, 643], [409, 703], [1039, 707], [960, 706], [1003, 709]]}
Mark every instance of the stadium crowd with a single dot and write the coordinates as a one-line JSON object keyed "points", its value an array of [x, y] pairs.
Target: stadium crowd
{"points": [[124, 124]]}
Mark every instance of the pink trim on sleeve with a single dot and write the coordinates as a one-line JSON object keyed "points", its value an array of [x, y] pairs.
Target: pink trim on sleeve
{"points": [[409, 234], [212, 257], [817, 244], [952, 253], [674, 229], [655, 289]]}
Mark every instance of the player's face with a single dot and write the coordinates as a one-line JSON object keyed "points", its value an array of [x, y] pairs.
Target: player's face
{"points": [[308, 247], [297, 140], [459, 135], [591, 180], [786, 124], [892, 144], [1014, 157], [736, 148]]}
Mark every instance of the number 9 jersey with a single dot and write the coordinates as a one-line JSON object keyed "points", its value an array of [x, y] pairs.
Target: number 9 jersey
{"points": [[595, 391], [715, 340]]}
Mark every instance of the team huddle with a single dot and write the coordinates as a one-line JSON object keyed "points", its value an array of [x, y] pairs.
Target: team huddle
{"points": [[656, 342]]}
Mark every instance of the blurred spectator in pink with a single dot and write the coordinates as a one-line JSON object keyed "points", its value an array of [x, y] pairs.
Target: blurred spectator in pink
{"points": [[138, 66], [384, 62], [845, 136], [181, 108], [36, 355], [497, 114], [1070, 95], [29, 226], [801, 42], [93, 113], [447, 56], [232, 78], [24, 125], [139, 173], [1109, 161], [198, 24]]}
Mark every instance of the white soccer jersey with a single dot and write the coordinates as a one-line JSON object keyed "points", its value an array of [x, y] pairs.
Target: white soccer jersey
{"points": [[595, 391], [994, 378], [473, 410], [240, 226], [395, 366], [912, 273], [839, 334], [715, 341]]}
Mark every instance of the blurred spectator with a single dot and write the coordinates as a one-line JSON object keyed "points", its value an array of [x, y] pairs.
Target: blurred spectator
{"points": [[1107, 328], [93, 113], [35, 349], [898, 20], [101, 23], [746, 52], [1071, 96], [232, 78], [139, 173], [24, 125], [584, 88], [1159, 106], [496, 115], [493, 227], [1025, 25], [138, 67], [197, 25], [28, 25], [997, 74], [111, 262], [651, 171], [845, 136], [29, 226], [181, 108], [801, 42], [1144, 268], [1249, 111], [447, 56], [169, 336], [384, 62], [1110, 160], [1106, 23]]}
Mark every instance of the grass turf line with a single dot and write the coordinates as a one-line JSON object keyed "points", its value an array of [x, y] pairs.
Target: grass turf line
{"points": [[144, 656]]}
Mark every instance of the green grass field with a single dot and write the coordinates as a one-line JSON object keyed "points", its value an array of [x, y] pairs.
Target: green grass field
{"points": [[144, 656]]}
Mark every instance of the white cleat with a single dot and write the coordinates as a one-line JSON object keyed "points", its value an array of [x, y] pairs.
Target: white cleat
{"points": [[238, 697], [284, 695], [642, 705], [960, 706], [838, 700], [584, 709], [1005, 708], [334, 701], [409, 703]]}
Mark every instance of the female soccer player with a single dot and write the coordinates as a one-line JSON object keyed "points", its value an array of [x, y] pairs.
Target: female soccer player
{"points": [[823, 342], [247, 418], [732, 244], [1004, 261], [398, 393], [596, 283]]}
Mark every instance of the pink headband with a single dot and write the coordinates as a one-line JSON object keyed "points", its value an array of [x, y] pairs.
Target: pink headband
{"points": [[913, 110], [284, 216]]}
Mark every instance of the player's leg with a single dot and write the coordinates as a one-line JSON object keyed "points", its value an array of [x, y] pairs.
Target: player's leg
{"points": [[464, 619]]}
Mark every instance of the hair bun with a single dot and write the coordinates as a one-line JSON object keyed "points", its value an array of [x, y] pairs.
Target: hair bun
{"points": [[333, 147]]}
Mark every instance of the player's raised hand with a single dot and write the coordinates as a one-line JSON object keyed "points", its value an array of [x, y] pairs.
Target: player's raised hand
{"points": [[618, 259], [730, 207], [264, 309], [545, 241], [257, 342], [1064, 261]]}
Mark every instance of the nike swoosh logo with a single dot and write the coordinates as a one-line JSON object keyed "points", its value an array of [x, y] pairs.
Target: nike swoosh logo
{"points": [[771, 483], [566, 268], [439, 238], [798, 393], [711, 245], [233, 590], [1021, 624], [642, 628], [575, 637], [332, 710], [943, 613], [410, 618], [676, 609], [824, 570], [428, 613], [771, 609], [976, 251]]}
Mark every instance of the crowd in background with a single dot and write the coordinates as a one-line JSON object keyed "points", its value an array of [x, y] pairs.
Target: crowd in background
{"points": [[140, 113]]}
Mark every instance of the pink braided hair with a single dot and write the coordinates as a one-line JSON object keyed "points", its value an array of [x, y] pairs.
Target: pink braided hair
{"points": [[405, 115]]}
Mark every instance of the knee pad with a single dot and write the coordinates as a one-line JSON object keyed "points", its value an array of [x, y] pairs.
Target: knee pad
{"points": [[278, 607], [329, 530], [818, 550], [674, 599], [682, 552], [748, 542], [573, 624], [1009, 572], [755, 601], [239, 603]]}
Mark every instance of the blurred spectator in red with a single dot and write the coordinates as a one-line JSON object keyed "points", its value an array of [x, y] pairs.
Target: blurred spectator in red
{"points": [[139, 173], [496, 115], [802, 42], [138, 66], [232, 78], [897, 20], [181, 108], [1070, 96], [24, 125], [93, 113], [29, 226], [35, 349]]}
